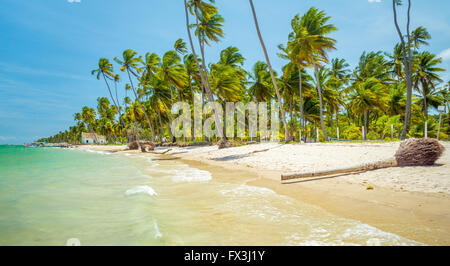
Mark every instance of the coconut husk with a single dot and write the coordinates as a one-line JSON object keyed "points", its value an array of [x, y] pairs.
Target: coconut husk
{"points": [[412, 152]]}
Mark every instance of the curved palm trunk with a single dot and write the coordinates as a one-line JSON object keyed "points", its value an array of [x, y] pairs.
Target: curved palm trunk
{"points": [[319, 90], [407, 64], [140, 105], [286, 131], [202, 75]]}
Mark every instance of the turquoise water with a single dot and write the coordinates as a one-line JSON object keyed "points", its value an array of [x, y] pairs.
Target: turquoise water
{"points": [[50, 195]]}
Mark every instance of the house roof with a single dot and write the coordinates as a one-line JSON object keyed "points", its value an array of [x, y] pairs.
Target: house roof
{"points": [[93, 136]]}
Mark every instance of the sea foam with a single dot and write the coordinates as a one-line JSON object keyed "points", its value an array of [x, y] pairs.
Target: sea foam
{"points": [[141, 189], [191, 175]]}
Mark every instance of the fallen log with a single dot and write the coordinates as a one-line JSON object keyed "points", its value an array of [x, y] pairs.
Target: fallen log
{"points": [[412, 152]]}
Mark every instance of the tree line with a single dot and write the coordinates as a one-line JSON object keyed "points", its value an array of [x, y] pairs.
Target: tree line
{"points": [[389, 94]]}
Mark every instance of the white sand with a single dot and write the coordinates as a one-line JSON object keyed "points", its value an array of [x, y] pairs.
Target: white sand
{"points": [[285, 158], [307, 157]]}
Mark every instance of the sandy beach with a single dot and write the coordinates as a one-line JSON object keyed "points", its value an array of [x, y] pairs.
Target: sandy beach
{"points": [[413, 202]]}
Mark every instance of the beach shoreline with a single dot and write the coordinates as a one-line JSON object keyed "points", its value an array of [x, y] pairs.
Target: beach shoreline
{"points": [[411, 202]]}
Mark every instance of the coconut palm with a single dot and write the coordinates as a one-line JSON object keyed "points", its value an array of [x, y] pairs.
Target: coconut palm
{"points": [[105, 70], [367, 96], [426, 75], [419, 37], [260, 89], [180, 47], [314, 27], [272, 75], [131, 63]]}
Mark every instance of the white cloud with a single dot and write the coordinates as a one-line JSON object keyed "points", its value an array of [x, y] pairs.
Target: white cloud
{"points": [[74, 1], [374, 1], [445, 55]]}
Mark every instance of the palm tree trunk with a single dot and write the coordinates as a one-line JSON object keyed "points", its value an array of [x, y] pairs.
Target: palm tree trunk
{"points": [[407, 64], [199, 67], [319, 90], [209, 93], [169, 127], [286, 132], [366, 123], [301, 101], [160, 125], [114, 102], [140, 105], [292, 121], [425, 103]]}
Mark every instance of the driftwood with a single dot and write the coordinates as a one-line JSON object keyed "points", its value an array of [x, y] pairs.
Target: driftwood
{"points": [[260, 151], [412, 152], [164, 152]]}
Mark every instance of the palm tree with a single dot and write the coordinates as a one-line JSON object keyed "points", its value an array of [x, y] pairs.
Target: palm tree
{"points": [[314, 28], [105, 69], [366, 96], [419, 37], [180, 47], [272, 75], [130, 62], [260, 89], [426, 75]]}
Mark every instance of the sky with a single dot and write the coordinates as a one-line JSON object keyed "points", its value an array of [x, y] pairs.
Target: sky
{"points": [[49, 47]]}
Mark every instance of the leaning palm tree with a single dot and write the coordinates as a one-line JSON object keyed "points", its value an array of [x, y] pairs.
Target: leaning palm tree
{"points": [[129, 63], [274, 82]]}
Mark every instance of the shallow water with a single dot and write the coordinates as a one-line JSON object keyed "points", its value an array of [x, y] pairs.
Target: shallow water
{"points": [[50, 195]]}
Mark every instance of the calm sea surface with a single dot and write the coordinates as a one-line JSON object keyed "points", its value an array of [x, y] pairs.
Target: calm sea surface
{"points": [[50, 195]]}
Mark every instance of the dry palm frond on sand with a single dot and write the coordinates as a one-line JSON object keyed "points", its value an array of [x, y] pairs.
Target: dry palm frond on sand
{"points": [[412, 152]]}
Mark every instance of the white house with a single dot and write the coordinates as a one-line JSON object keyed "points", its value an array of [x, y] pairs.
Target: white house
{"points": [[92, 138]]}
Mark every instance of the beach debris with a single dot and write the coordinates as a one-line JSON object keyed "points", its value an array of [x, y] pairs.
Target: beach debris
{"points": [[144, 146], [369, 188], [412, 152], [257, 151], [223, 144], [419, 152], [147, 146]]}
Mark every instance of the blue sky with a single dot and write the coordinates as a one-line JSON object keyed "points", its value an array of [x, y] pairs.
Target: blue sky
{"points": [[49, 47]]}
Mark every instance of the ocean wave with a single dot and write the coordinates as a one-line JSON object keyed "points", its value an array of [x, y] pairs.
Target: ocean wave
{"points": [[245, 190], [99, 152], [141, 189]]}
